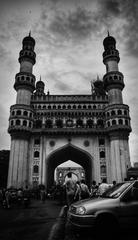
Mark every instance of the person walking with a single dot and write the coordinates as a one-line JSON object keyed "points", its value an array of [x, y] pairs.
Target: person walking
{"points": [[70, 189]]}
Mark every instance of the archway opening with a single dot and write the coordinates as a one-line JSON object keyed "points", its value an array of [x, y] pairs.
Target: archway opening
{"points": [[62, 170], [63, 154]]}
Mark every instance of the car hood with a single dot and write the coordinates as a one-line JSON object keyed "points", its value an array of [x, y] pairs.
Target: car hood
{"points": [[97, 203]]}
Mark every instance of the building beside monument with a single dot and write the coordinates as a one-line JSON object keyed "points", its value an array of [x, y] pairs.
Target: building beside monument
{"points": [[47, 130]]}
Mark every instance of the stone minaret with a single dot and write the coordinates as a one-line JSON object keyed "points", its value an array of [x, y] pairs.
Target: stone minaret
{"points": [[117, 113], [21, 116]]}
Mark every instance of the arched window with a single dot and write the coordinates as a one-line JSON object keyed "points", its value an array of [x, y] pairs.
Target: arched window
{"points": [[119, 112], [18, 112], [18, 122], [74, 106], [49, 107], [54, 106], [64, 107], [112, 113], [37, 141], [100, 123], [94, 106], [30, 124], [79, 106], [25, 113], [36, 154], [24, 123], [69, 106], [101, 141], [59, 107], [89, 123], [35, 169], [103, 169], [108, 114], [125, 112], [39, 106], [38, 123], [13, 113], [89, 107], [79, 123], [59, 123], [126, 122], [12, 123], [113, 122], [48, 123], [102, 154], [120, 121], [84, 106], [108, 123]]}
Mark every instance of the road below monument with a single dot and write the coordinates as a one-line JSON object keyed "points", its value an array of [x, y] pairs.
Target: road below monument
{"points": [[44, 221]]}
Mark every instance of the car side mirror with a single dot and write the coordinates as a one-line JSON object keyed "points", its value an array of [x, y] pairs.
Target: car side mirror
{"points": [[134, 193]]}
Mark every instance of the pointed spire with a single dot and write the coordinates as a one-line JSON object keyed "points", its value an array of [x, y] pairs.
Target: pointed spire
{"points": [[40, 78], [30, 33], [108, 33]]}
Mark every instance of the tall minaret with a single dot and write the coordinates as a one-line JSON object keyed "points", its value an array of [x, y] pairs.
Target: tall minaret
{"points": [[21, 116], [117, 113]]}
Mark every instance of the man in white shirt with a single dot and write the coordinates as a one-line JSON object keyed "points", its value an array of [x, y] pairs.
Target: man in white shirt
{"points": [[103, 186]]}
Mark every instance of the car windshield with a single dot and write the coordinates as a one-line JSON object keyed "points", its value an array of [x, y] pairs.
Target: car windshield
{"points": [[116, 190]]}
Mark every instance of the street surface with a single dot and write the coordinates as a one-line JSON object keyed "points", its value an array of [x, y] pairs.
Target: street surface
{"points": [[45, 221]]}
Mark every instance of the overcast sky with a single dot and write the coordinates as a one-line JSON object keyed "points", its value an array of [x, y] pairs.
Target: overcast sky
{"points": [[69, 45]]}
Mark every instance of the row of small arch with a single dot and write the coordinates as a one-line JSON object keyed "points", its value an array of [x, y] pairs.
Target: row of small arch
{"points": [[58, 123], [28, 53], [111, 52], [118, 121], [117, 112], [102, 169], [21, 113], [25, 78], [113, 78], [69, 106], [70, 114]]}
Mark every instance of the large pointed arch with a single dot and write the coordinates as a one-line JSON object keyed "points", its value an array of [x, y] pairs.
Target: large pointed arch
{"points": [[65, 153]]}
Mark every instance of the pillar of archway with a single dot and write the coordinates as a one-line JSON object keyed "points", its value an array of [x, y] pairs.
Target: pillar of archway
{"points": [[63, 154]]}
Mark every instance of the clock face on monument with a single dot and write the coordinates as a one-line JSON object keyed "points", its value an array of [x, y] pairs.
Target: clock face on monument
{"points": [[69, 123]]}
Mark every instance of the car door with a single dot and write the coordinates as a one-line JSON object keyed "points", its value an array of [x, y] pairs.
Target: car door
{"points": [[128, 210]]}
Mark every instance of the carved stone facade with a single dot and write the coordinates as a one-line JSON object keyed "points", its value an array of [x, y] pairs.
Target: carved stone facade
{"points": [[47, 130]]}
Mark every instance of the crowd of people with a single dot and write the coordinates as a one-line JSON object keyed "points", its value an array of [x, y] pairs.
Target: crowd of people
{"points": [[66, 193], [10, 197], [79, 190]]}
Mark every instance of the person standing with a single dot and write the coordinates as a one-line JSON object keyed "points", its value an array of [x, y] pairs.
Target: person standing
{"points": [[85, 193], [94, 189], [103, 186]]}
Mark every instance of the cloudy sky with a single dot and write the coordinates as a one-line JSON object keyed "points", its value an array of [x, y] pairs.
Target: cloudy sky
{"points": [[69, 45]]}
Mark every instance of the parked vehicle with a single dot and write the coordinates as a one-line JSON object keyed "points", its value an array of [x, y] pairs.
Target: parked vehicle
{"points": [[115, 209]]}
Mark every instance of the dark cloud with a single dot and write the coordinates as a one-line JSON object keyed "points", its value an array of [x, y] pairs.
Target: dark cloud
{"points": [[126, 11], [112, 6], [76, 25]]}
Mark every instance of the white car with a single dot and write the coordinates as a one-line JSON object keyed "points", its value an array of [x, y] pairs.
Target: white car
{"points": [[115, 209]]}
